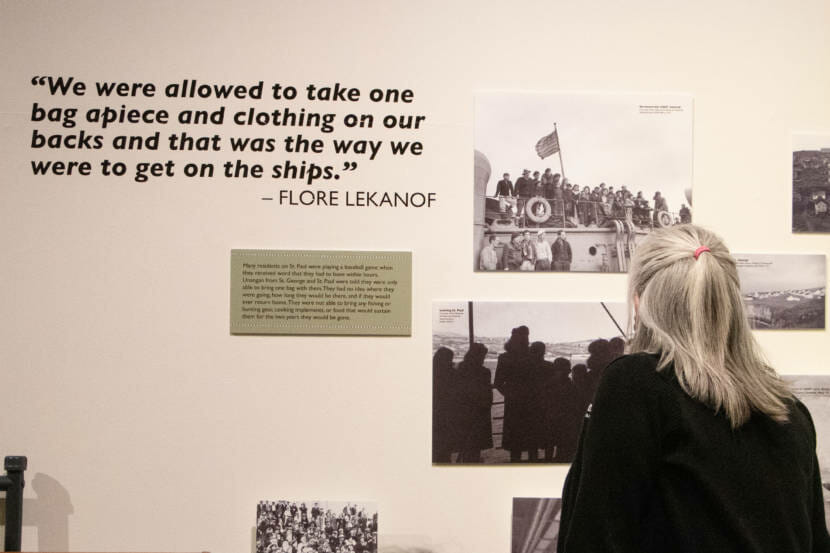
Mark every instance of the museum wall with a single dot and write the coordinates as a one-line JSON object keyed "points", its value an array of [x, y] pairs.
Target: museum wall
{"points": [[149, 427]]}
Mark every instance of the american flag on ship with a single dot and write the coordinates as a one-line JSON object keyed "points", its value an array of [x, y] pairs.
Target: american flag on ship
{"points": [[548, 145]]}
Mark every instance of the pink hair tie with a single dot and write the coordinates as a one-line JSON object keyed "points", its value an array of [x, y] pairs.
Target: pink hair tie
{"points": [[700, 250]]}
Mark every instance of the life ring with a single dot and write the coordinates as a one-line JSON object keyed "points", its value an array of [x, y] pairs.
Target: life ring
{"points": [[534, 204], [664, 219]]}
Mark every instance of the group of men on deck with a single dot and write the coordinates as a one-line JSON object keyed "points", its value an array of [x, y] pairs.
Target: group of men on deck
{"points": [[587, 206], [526, 253]]}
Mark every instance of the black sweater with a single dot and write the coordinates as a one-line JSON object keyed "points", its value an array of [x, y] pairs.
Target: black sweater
{"points": [[658, 471]]}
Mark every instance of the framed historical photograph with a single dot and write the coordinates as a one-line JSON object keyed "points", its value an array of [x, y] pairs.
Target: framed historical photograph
{"points": [[535, 527], [811, 182], [571, 181], [316, 527], [512, 380], [783, 291], [814, 392]]}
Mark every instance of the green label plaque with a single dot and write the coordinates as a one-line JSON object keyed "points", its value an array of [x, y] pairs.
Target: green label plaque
{"points": [[321, 292]]}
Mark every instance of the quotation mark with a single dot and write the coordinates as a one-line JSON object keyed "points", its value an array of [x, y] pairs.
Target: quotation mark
{"points": [[347, 166], [39, 81]]}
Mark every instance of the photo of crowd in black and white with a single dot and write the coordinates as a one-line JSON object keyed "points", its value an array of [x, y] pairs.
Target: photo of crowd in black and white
{"points": [[535, 527], [811, 183], [570, 182], [512, 380], [783, 291], [316, 527]]}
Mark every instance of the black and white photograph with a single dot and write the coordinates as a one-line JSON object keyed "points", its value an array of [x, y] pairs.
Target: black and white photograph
{"points": [[512, 380], [571, 181], [814, 392], [783, 291], [316, 527], [811, 182], [535, 526]]}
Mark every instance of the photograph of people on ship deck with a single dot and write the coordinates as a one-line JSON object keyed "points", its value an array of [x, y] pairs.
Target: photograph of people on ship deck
{"points": [[609, 167]]}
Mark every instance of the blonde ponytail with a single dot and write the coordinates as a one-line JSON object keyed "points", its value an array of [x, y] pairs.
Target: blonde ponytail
{"points": [[692, 313]]}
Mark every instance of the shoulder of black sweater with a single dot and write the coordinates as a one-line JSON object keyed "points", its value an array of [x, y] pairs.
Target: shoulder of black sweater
{"points": [[800, 410], [633, 382], [631, 377], [639, 368], [638, 374]]}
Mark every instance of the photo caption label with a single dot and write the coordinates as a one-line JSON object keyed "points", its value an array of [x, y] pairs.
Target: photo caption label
{"points": [[321, 292]]}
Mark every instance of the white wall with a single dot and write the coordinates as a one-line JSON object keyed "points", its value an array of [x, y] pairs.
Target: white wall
{"points": [[148, 427]]}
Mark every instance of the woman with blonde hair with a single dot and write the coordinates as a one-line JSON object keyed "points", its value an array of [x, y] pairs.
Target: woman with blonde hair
{"points": [[693, 443]]}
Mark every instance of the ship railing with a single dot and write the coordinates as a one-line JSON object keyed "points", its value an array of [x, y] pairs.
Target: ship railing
{"points": [[584, 213], [494, 418]]}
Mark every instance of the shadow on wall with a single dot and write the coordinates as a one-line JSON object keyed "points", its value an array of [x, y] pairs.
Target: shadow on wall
{"points": [[48, 512], [415, 544]]}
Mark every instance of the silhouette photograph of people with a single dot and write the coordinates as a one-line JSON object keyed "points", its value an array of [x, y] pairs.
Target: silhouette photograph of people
{"points": [[512, 380]]}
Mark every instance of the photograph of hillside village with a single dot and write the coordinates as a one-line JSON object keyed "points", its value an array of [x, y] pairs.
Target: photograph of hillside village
{"points": [[783, 291], [811, 183]]}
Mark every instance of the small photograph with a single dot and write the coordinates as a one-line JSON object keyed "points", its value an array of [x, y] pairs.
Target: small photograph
{"points": [[814, 392], [571, 181], [511, 381], [783, 291], [535, 524], [811, 182], [316, 527]]}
